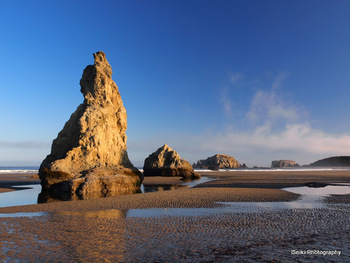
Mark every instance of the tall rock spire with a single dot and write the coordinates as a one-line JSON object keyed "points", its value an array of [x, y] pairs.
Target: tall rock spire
{"points": [[92, 143]]}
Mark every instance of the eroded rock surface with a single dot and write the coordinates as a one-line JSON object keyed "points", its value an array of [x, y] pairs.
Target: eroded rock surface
{"points": [[218, 161], [89, 156], [167, 162]]}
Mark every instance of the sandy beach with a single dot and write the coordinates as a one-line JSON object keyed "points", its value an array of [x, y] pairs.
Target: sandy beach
{"points": [[118, 229]]}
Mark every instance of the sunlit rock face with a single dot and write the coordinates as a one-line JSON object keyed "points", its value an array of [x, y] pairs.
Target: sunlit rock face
{"points": [[283, 164], [89, 157], [167, 162], [218, 161]]}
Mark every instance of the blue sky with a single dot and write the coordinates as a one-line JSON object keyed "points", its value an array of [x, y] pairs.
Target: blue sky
{"points": [[258, 80]]}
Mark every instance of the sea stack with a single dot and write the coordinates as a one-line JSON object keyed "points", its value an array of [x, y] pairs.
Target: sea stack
{"points": [[283, 164], [89, 157], [167, 162], [218, 161]]}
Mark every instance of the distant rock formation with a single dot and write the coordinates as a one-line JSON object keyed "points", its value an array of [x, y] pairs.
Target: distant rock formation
{"points": [[89, 157], [218, 161], [336, 161], [283, 164], [167, 162]]}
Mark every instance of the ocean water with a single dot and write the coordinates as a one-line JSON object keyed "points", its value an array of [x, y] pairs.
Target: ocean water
{"points": [[34, 169], [18, 169], [292, 169]]}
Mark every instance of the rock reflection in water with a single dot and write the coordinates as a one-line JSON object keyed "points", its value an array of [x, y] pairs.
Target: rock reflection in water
{"points": [[160, 188]]}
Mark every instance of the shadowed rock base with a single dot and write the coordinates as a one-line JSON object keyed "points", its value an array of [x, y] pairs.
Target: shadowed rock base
{"points": [[184, 173], [96, 184]]}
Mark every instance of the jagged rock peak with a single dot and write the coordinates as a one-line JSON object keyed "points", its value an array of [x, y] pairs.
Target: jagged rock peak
{"points": [[101, 61], [94, 138], [218, 161], [167, 162], [97, 85], [166, 157]]}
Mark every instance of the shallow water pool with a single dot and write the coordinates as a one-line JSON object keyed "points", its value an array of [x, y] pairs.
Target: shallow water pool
{"points": [[311, 198], [29, 194]]}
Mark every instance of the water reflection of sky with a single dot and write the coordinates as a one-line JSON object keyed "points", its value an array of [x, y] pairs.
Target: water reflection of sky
{"points": [[310, 199], [158, 188], [30, 196], [21, 197], [320, 191], [227, 207]]}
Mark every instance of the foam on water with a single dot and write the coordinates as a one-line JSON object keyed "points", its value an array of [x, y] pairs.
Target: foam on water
{"points": [[18, 169]]}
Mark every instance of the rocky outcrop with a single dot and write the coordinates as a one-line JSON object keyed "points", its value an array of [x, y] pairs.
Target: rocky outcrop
{"points": [[89, 157], [218, 161], [283, 164], [167, 162], [336, 161]]}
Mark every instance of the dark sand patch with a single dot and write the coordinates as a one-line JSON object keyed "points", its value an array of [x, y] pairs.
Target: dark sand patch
{"points": [[160, 180]]}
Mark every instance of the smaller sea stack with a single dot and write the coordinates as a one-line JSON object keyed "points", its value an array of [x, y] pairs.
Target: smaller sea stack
{"points": [[218, 161], [167, 162], [284, 164]]}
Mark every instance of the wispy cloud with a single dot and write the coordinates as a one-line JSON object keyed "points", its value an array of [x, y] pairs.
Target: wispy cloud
{"points": [[234, 77], [297, 138], [225, 99], [24, 144], [271, 105], [226, 102]]}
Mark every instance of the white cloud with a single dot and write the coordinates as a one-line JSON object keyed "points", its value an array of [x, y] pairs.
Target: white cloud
{"points": [[280, 132], [262, 145], [299, 142]]}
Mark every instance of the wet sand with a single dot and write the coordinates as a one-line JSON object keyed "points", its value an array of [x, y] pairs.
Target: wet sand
{"points": [[100, 230]]}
